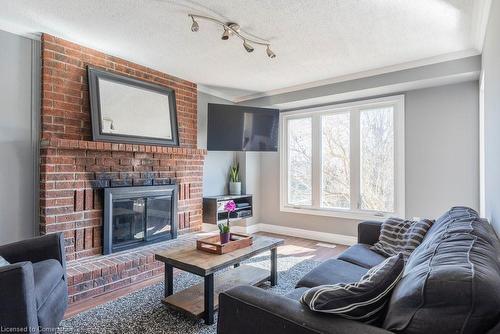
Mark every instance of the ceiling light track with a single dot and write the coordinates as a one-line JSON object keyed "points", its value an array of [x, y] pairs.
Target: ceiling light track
{"points": [[231, 28]]}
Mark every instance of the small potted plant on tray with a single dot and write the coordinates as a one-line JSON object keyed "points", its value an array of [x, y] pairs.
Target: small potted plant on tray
{"points": [[225, 229]]}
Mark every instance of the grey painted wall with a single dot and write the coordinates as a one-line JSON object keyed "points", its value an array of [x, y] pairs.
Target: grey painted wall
{"points": [[442, 157], [17, 137], [216, 167], [250, 169], [491, 68], [442, 149]]}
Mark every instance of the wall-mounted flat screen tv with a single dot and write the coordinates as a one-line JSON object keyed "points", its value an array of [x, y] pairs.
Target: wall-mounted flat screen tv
{"points": [[239, 128]]}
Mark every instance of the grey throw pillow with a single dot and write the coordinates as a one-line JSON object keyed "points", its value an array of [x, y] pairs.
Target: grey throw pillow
{"points": [[401, 236], [3, 262], [363, 300]]}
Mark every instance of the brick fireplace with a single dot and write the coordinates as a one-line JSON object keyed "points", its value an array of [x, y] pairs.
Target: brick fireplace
{"points": [[74, 170]]}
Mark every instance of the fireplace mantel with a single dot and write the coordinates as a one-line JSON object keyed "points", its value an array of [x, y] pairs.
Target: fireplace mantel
{"points": [[106, 146]]}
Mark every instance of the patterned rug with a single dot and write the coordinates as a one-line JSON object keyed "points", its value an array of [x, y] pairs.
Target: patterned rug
{"points": [[143, 312]]}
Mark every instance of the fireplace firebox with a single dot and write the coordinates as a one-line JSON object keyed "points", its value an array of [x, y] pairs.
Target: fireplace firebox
{"points": [[137, 216]]}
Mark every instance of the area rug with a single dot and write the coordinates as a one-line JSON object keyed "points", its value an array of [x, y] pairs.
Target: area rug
{"points": [[143, 312]]}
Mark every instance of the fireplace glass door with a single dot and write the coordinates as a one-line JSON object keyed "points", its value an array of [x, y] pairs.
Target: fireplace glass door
{"points": [[128, 221], [158, 213], [136, 216]]}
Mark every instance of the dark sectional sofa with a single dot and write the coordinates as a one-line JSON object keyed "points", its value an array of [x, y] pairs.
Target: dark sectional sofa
{"points": [[451, 284]]}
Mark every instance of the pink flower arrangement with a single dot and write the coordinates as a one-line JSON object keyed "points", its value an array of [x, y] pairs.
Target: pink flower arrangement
{"points": [[230, 206]]}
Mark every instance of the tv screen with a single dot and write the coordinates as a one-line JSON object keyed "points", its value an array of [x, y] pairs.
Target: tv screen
{"points": [[239, 128]]}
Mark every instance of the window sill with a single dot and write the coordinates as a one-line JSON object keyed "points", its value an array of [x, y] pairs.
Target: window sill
{"points": [[347, 214]]}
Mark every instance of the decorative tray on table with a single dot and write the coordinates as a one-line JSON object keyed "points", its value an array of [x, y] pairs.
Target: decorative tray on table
{"points": [[213, 245]]}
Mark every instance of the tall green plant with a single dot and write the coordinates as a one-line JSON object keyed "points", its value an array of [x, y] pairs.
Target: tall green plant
{"points": [[234, 173]]}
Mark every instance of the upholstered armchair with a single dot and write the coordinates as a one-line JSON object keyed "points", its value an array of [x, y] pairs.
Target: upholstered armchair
{"points": [[33, 287]]}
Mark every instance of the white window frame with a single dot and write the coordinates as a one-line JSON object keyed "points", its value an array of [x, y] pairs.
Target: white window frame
{"points": [[354, 109]]}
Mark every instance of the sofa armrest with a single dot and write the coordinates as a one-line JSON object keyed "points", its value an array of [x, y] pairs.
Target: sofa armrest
{"points": [[50, 246], [17, 293], [250, 310], [368, 232]]}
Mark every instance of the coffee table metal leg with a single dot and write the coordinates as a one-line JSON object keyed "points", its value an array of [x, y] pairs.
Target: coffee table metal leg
{"points": [[209, 299], [169, 280], [274, 266]]}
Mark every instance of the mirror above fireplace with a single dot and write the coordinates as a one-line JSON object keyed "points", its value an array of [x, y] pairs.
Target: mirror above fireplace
{"points": [[128, 110]]}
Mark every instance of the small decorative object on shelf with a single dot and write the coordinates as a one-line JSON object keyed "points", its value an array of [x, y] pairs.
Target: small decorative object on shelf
{"points": [[234, 180], [225, 229]]}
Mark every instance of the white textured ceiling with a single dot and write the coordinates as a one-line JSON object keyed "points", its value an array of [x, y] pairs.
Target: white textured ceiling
{"points": [[314, 39]]}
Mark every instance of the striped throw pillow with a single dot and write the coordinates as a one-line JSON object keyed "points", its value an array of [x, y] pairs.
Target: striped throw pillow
{"points": [[363, 300], [401, 236], [3, 262]]}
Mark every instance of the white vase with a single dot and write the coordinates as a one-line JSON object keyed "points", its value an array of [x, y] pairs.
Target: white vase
{"points": [[234, 188]]}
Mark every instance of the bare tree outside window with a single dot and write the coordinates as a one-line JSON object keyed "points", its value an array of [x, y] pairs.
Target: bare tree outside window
{"points": [[377, 159], [336, 182], [300, 161]]}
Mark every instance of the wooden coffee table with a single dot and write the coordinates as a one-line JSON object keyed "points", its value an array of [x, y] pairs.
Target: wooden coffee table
{"points": [[202, 299]]}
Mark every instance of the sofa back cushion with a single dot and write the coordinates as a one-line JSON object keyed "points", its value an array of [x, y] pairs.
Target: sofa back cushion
{"points": [[451, 283]]}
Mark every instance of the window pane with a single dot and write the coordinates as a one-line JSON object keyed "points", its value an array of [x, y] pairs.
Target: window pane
{"points": [[299, 161], [377, 159], [335, 192]]}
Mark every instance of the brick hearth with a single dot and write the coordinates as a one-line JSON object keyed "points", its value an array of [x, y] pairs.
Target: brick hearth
{"points": [[93, 276], [74, 169]]}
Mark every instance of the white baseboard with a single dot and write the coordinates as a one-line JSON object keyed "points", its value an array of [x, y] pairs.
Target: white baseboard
{"points": [[290, 231], [247, 229]]}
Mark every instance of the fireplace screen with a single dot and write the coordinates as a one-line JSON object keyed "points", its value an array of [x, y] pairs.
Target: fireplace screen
{"points": [[134, 216]]}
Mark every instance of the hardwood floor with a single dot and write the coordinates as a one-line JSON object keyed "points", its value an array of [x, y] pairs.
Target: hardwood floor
{"points": [[314, 250]]}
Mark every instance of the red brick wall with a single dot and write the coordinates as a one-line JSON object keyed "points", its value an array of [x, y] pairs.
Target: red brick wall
{"points": [[65, 99], [74, 169]]}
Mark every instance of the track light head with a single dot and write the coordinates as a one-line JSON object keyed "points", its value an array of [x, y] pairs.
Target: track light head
{"points": [[247, 46], [234, 26], [194, 27], [225, 35], [270, 52]]}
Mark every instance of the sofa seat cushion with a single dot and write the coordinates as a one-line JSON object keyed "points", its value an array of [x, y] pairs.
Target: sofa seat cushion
{"points": [[451, 282], [47, 275], [296, 294], [362, 300], [362, 255], [331, 272]]}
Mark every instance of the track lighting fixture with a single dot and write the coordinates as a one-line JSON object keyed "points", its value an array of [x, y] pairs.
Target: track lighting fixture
{"points": [[247, 46], [270, 52], [194, 27], [225, 35], [231, 28]]}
